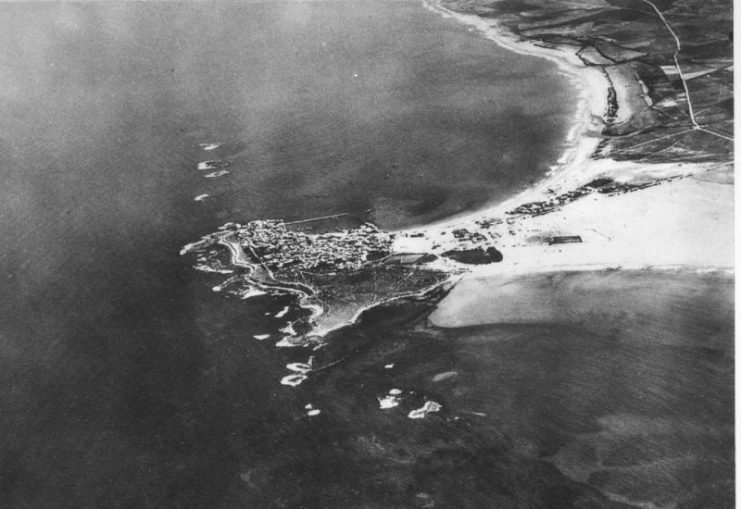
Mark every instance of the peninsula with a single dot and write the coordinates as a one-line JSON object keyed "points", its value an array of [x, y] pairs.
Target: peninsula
{"points": [[647, 179]]}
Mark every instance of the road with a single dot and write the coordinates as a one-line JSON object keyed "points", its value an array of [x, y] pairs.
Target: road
{"points": [[695, 124]]}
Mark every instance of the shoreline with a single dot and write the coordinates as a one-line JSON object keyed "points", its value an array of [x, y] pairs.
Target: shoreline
{"points": [[690, 197], [683, 221], [323, 319], [593, 90], [571, 296], [683, 225]]}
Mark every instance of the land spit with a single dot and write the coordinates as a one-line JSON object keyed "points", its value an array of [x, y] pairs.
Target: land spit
{"points": [[627, 212]]}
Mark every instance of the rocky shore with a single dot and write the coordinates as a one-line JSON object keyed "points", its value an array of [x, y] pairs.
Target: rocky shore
{"points": [[646, 180], [334, 275], [593, 308]]}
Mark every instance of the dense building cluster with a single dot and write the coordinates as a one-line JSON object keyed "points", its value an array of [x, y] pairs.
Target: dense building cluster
{"points": [[463, 235], [279, 247]]}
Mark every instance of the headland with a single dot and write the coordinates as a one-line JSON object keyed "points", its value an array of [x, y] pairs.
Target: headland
{"points": [[646, 181]]}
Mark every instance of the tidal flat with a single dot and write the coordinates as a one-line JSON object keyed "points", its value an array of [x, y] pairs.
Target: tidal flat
{"points": [[127, 382]]}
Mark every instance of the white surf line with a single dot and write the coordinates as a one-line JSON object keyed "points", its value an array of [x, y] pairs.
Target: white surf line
{"points": [[219, 173], [452, 279], [293, 380], [239, 258], [283, 312], [591, 103], [311, 411], [696, 126], [429, 407]]}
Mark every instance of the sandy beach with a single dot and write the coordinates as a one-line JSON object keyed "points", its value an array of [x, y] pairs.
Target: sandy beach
{"points": [[684, 222], [667, 216], [550, 325], [594, 210]]}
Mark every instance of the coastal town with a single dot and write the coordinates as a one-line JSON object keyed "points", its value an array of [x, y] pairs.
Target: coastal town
{"points": [[412, 254], [279, 248]]}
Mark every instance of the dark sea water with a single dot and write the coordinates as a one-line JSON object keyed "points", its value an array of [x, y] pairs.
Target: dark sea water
{"points": [[126, 382]]}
